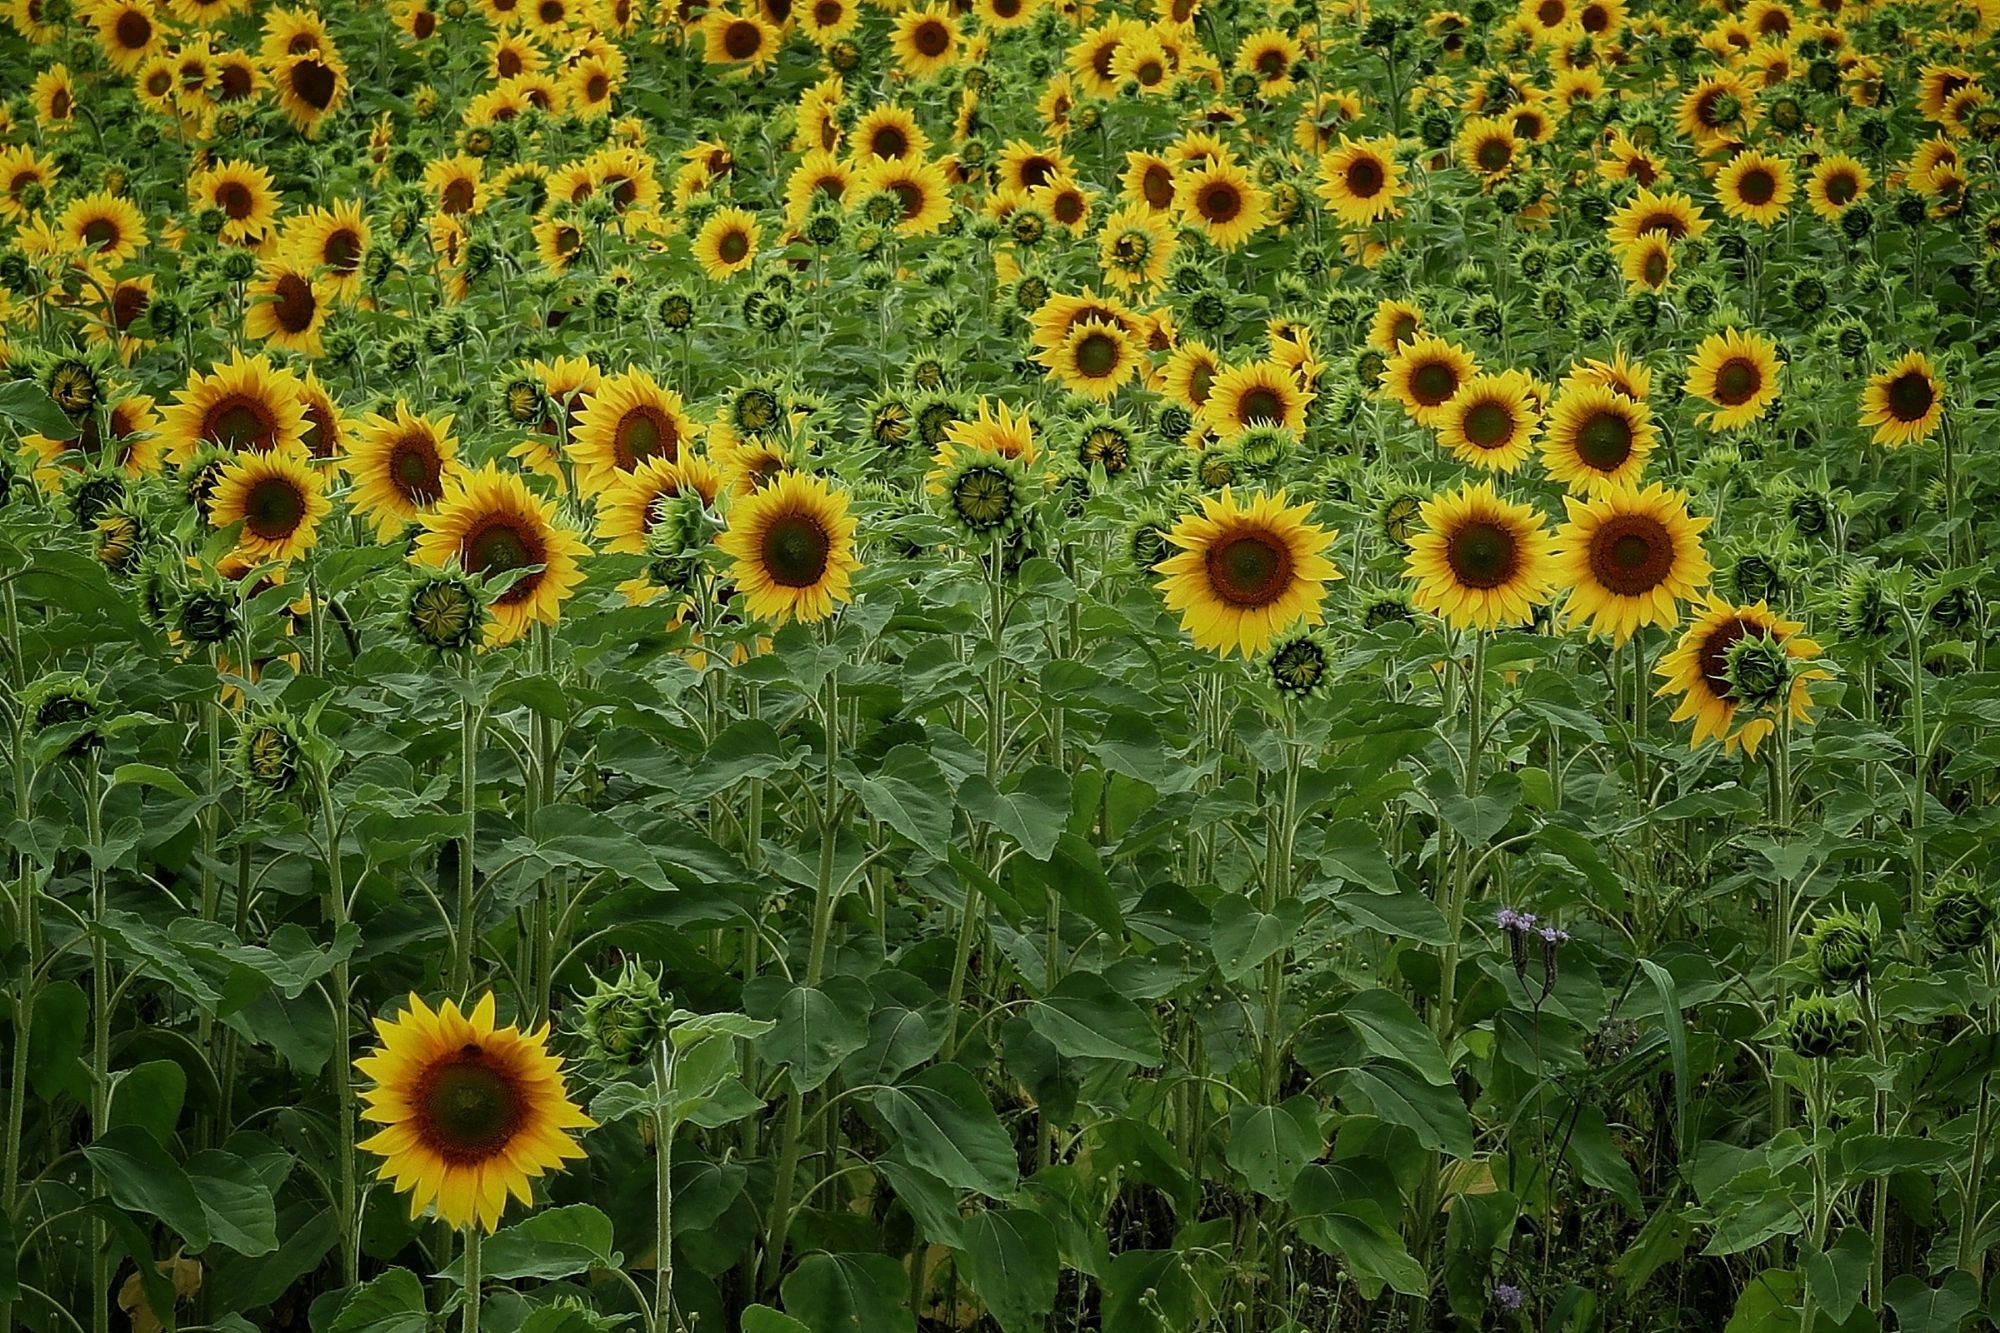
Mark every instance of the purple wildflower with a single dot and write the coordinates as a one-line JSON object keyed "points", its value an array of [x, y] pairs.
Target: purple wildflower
{"points": [[1508, 1296]]}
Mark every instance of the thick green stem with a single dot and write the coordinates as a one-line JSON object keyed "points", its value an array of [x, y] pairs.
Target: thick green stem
{"points": [[468, 794], [1781, 904], [473, 1278], [1460, 889], [338, 1070], [28, 929], [100, 1039], [663, 1191]]}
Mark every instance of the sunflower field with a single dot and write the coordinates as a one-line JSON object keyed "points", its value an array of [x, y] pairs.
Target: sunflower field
{"points": [[999, 666]]}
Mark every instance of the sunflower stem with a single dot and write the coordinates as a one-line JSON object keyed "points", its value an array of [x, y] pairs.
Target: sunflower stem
{"points": [[472, 1278], [343, 1042], [663, 1190], [27, 926], [1460, 865], [100, 1037], [468, 777]]}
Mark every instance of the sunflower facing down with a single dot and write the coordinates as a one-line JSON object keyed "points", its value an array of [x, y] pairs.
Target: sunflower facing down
{"points": [[1479, 561], [401, 465], [278, 497], [469, 1112], [490, 525], [1246, 572], [1629, 558], [1697, 670], [1904, 403], [1426, 373], [1598, 439], [1491, 421], [1738, 373], [791, 547], [627, 420]]}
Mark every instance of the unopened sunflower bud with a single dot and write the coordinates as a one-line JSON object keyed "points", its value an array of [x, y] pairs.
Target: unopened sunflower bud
{"points": [[445, 611], [1759, 671], [1818, 1027], [1842, 946], [269, 755], [624, 1020]]}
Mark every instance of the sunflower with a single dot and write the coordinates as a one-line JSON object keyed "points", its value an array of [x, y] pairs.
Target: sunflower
{"points": [[1263, 393], [1002, 433], [1904, 403], [634, 501], [470, 1112], [727, 243], [1003, 14], [456, 183], [747, 40], [1393, 324], [105, 227], [401, 465], [920, 187], [1095, 50], [791, 549], [627, 420], [1837, 183], [1268, 55], [1144, 61], [1697, 670], [1490, 422], [1426, 373], [1148, 182], [1717, 111], [278, 497], [245, 196], [1190, 373], [591, 84], [21, 168], [1134, 249], [237, 78], [1648, 263], [334, 241], [1668, 211], [311, 87], [1628, 558], [53, 95], [1627, 161], [890, 133], [1064, 202], [1360, 180], [925, 41], [128, 30], [1738, 373], [1024, 166], [1222, 202], [490, 524], [325, 435], [1245, 573], [1479, 561], [1597, 439], [246, 405], [1488, 146], [1755, 187], [825, 22], [1094, 359], [287, 308]]}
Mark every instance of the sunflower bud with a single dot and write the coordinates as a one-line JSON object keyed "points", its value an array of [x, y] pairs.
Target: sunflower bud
{"points": [[623, 1020], [445, 611], [1301, 666], [1960, 916], [1842, 947], [985, 493], [269, 754], [1759, 671], [65, 702], [1818, 1027]]}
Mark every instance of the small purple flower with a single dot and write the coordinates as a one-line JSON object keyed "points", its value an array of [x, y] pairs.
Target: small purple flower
{"points": [[1509, 919], [1551, 935], [1508, 1296]]}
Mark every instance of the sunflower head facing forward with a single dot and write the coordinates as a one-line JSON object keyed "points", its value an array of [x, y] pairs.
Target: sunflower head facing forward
{"points": [[469, 1112], [1246, 571], [791, 544], [1629, 558], [1479, 561]]}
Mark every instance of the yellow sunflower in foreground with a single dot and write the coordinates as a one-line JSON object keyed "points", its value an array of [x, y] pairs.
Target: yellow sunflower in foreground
{"points": [[1904, 403], [1426, 373], [627, 420], [1479, 561], [1837, 182], [791, 547], [400, 464], [1755, 187], [1360, 180], [246, 404], [104, 226], [925, 41], [726, 243], [278, 497], [287, 308], [1491, 421], [636, 500], [1246, 572], [1094, 359], [469, 1112], [490, 524], [1598, 439], [1738, 373], [1222, 202], [1262, 393], [1697, 670], [1629, 558]]}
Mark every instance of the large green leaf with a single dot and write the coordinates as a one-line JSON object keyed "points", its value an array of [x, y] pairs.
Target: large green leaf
{"points": [[813, 1028], [553, 1243], [1390, 1028], [391, 1303], [1243, 937], [945, 1125], [849, 1293], [1270, 1145], [1083, 1017], [1011, 1260], [143, 1179]]}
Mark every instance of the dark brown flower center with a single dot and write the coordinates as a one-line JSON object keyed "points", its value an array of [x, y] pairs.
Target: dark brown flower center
{"points": [[1910, 396], [1364, 177], [1249, 568], [1096, 355], [133, 30], [1261, 405], [500, 544], [314, 83], [1714, 656], [1631, 554], [1482, 554], [1488, 425], [644, 432], [797, 550], [273, 508], [1157, 184], [1757, 187], [732, 246], [1219, 202], [1433, 383], [931, 38], [240, 422], [234, 198], [468, 1108], [416, 470], [742, 39], [1737, 381], [294, 304], [1604, 441]]}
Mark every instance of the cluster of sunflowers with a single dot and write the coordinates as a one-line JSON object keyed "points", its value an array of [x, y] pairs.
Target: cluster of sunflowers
{"points": [[500, 319]]}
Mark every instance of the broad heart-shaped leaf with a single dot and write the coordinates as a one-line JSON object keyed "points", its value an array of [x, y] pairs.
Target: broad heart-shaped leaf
{"points": [[1838, 1277], [813, 1029], [909, 793], [1084, 1017], [763, 1319], [1390, 1028], [1768, 1303], [1032, 813], [1359, 1231], [1011, 1259], [143, 1179], [236, 1202], [1243, 937], [149, 1096], [1270, 1145], [391, 1303], [1921, 1308], [55, 1046], [28, 406], [565, 835], [1435, 1115], [945, 1125], [1075, 871], [850, 1293], [556, 1242]]}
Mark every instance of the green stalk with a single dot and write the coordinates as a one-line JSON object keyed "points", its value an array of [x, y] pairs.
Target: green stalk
{"points": [[1781, 907], [1920, 763], [473, 1236], [996, 725], [468, 791], [1461, 864], [1972, 1261], [663, 1190], [1878, 1231], [28, 914], [338, 1069], [100, 1041]]}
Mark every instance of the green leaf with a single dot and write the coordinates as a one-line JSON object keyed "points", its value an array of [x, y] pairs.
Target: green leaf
{"points": [[1243, 937], [1390, 1028], [1677, 1046], [909, 793], [391, 1303], [566, 836], [1270, 1145], [1838, 1277], [553, 1243], [946, 1126], [1011, 1260], [1075, 871], [55, 1046], [1768, 1304], [149, 1096], [763, 1319], [1921, 1308], [236, 1202], [1084, 1018], [1435, 1115], [1352, 851], [1032, 813], [812, 1028], [849, 1293], [148, 775], [28, 406], [144, 1180]]}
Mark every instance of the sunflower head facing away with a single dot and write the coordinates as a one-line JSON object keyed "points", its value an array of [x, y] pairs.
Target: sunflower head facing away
{"points": [[469, 1112], [1246, 571], [1698, 671]]}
